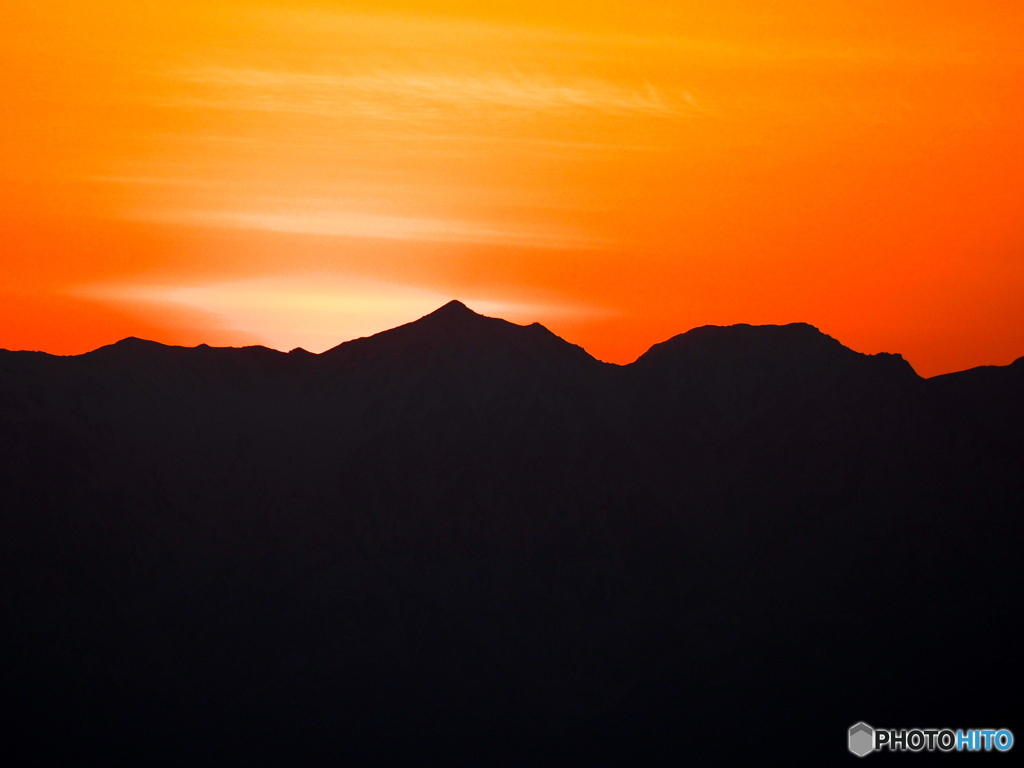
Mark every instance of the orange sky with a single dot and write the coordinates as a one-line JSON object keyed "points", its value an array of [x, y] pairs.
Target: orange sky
{"points": [[298, 174]]}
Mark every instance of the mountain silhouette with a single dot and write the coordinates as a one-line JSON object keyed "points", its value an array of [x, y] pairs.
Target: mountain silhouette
{"points": [[465, 541]]}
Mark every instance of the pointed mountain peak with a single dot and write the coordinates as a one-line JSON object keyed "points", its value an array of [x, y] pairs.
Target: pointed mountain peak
{"points": [[456, 326], [453, 307], [454, 314], [448, 323]]}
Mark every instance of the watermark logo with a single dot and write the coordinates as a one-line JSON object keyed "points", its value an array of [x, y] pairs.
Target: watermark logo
{"points": [[863, 739]]}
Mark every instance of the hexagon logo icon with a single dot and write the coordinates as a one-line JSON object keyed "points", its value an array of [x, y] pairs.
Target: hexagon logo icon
{"points": [[862, 739]]}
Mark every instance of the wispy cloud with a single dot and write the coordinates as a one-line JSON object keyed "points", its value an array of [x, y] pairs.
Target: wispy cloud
{"points": [[340, 223], [405, 95], [400, 128]]}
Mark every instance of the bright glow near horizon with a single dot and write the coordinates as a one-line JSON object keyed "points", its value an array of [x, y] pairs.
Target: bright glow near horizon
{"points": [[312, 311]]}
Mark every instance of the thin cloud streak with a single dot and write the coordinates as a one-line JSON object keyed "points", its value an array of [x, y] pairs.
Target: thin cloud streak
{"points": [[364, 225], [401, 96]]}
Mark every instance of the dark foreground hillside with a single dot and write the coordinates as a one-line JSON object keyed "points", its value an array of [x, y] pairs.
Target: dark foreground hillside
{"points": [[464, 541]]}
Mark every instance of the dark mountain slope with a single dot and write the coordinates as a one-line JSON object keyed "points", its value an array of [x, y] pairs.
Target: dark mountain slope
{"points": [[467, 540], [992, 398], [856, 510]]}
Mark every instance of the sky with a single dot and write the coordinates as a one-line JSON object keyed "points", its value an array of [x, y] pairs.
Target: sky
{"points": [[303, 173]]}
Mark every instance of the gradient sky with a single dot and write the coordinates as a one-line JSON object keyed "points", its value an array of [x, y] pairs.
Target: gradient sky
{"points": [[302, 173]]}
